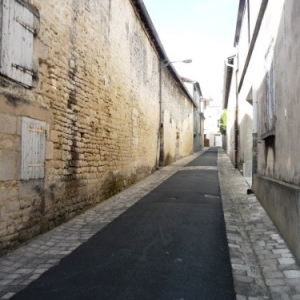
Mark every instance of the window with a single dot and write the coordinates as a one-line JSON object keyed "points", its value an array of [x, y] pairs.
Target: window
{"points": [[17, 41], [33, 149]]}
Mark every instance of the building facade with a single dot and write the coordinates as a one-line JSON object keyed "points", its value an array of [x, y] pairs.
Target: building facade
{"points": [[80, 109], [195, 90], [212, 113], [267, 74]]}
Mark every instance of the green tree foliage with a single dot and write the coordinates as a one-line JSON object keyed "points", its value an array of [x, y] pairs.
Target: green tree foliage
{"points": [[223, 122]]}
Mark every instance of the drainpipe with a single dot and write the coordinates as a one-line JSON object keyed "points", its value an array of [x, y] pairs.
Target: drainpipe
{"points": [[200, 125], [160, 124], [236, 124], [236, 114], [228, 64]]}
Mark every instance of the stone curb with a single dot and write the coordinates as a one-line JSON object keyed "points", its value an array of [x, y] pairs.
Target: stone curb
{"points": [[262, 264]]}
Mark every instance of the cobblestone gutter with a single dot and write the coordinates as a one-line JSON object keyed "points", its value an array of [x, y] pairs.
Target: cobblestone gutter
{"points": [[262, 265]]}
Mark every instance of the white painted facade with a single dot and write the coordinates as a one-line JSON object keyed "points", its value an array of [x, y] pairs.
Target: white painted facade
{"points": [[266, 96], [212, 113]]}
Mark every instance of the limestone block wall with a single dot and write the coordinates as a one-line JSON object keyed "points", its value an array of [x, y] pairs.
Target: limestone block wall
{"points": [[178, 121], [97, 89]]}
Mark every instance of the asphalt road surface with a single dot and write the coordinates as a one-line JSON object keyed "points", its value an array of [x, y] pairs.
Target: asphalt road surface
{"points": [[170, 245]]}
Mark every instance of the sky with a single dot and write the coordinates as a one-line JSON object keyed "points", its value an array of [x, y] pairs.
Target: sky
{"points": [[201, 30]]}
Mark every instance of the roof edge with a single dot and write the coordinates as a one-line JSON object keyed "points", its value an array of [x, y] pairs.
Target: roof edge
{"points": [[241, 10], [228, 72], [144, 17]]}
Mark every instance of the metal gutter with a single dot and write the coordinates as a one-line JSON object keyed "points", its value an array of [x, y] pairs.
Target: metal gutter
{"points": [[144, 17], [198, 88], [227, 80], [239, 21], [196, 83]]}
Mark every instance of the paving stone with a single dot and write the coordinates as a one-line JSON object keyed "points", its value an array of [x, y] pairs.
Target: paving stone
{"points": [[269, 262], [286, 255], [274, 274], [280, 289], [297, 288], [262, 244], [241, 278], [240, 267], [8, 295], [281, 296], [288, 267], [292, 274], [280, 251], [24, 271], [286, 261], [274, 282]]}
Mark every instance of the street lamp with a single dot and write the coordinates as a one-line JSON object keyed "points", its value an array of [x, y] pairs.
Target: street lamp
{"points": [[160, 145], [165, 64]]}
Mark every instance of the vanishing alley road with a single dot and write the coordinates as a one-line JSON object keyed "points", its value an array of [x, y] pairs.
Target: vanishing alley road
{"points": [[171, 244]]}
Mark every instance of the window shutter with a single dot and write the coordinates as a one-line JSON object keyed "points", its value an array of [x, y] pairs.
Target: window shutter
{"points": [[33, 149], [17, 41], [270, 103]]}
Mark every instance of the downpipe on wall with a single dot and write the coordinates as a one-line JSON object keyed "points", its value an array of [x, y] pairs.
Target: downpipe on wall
{"points": [[236, 127], [160, 154], [254, 134]]}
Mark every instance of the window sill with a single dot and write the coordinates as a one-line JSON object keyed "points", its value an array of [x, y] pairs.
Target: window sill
{"points": [[269, 133]]}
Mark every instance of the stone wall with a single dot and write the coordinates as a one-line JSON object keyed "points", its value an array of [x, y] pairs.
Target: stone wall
{"points": [[278, 179], [97, 88], [271, 80], [177, 121]]}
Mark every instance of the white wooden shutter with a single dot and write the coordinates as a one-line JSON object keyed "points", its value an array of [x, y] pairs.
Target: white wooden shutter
{"points": [[270, 103], [33, 149], [17, 41]]}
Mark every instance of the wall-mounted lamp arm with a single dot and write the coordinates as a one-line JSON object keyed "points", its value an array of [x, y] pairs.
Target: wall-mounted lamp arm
{"points": [[164, 64]]}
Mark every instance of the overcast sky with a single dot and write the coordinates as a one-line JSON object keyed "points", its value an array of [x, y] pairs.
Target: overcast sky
{"points": [[202, 30]]}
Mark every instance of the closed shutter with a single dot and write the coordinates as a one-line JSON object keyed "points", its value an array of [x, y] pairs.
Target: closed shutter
{"points": [[270, 103], [33, 149], [17, 41]]}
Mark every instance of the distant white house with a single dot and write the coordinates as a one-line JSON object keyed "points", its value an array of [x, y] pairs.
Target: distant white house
{"points": [[212, 114]]}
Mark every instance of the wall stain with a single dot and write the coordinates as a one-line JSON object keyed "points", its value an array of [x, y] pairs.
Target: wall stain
{"points": [[15, 101], [168, 159]]}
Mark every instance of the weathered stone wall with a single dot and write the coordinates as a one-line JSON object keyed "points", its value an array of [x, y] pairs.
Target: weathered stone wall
{"points": [[272, 77], [97, 88], [177, 120], [230, 130], [278, 179]]}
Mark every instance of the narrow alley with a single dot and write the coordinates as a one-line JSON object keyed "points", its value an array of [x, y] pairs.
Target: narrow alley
{"points": [[163, 238], [149, 150]]}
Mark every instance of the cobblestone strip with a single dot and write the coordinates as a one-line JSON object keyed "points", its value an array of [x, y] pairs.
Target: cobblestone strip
{"points": [[262, 265], [199, 168], [30, 261]]}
